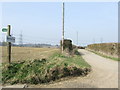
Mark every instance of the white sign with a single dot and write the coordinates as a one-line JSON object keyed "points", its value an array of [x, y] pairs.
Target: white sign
{"points": [[10, 39]]}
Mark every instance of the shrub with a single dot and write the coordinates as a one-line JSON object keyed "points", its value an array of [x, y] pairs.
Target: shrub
{"points": [[67, 45]]}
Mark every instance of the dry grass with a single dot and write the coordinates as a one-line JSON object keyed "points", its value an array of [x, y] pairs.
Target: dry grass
{"points": [[27, 53], [109, 49]]}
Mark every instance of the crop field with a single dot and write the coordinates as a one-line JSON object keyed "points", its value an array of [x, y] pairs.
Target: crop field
{"points": [[26, 53]]}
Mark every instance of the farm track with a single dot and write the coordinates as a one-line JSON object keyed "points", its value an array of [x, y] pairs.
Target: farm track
{"points": [[104, 74]]}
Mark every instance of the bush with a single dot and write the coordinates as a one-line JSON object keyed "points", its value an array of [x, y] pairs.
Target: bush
{"points": [[67, 45], [107, 50]]}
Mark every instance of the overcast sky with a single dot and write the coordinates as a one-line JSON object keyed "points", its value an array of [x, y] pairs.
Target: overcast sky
{"points": [[41, 22]]}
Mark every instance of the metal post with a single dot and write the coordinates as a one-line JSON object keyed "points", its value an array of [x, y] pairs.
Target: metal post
{"points": [[9, 45], [62, 27]]}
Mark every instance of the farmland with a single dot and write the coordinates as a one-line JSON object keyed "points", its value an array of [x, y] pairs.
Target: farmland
{"points": [[27, 53], [41, 65]]}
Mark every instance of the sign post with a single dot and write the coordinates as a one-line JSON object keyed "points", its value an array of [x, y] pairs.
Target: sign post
{"points": [[9, 45], [10, 39]]}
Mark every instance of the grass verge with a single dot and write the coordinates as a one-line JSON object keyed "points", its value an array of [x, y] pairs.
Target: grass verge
{"points": [[44, 71], [105, 56]]}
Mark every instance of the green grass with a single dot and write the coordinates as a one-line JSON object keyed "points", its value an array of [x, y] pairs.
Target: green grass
{"points": [[76, 60], [109, 57], [44, 71]]}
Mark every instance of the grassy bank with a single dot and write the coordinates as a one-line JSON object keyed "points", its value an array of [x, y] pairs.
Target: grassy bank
{"points": [[108, 49], [105, 56], [44, 70]]}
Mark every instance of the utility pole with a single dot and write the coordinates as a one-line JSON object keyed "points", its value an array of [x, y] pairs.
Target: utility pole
{"points": [[9, 45], [62, 27]]}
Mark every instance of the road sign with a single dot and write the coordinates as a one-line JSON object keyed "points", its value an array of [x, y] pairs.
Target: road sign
{"points": [[10, 39], [4, 30]]}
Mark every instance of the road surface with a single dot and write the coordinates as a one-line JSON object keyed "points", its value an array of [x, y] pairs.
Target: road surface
{"points": [[104, 74]]}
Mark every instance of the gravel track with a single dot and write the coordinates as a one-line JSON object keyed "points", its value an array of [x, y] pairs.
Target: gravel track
{"points": [[104, 74]]}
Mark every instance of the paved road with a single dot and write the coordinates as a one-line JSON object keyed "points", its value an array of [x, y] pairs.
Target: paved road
{"points": [[104, 74]]}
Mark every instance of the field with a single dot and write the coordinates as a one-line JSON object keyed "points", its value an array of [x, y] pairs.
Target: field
{"points": [[27, 53], [41, 65]]}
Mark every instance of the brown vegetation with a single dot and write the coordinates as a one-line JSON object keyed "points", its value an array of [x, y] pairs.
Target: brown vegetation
{"points": [[110, 49], [27, 53]]}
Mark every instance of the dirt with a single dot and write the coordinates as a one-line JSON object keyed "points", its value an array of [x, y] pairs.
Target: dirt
{"points": [[104, 74]]}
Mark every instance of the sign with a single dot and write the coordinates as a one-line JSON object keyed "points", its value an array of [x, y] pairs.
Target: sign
{"points": [[4, 30], [10, 39]]}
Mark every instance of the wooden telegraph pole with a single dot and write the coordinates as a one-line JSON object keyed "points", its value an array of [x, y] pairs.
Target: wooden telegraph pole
{"points": [[62, 27], [9, 45]]}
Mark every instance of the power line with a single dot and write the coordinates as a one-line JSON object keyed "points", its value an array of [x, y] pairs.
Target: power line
{"points": [[31, 37]]}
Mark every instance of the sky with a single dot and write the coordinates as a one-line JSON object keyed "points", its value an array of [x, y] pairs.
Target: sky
{"points": [[41, 22]]}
